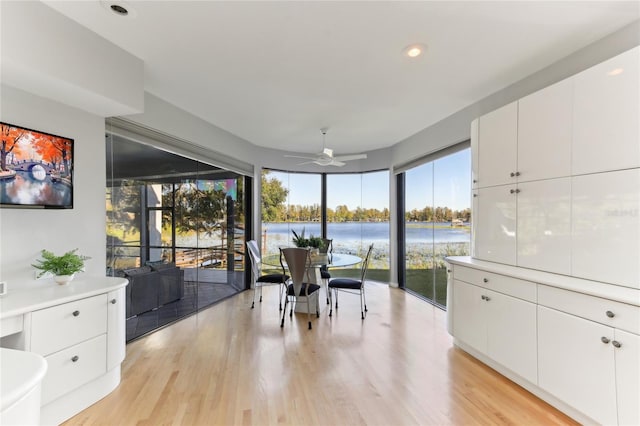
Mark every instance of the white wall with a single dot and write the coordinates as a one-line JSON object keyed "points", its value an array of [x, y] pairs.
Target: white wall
{"points": [[24, 232]]}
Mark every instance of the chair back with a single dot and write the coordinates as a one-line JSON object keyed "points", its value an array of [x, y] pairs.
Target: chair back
{"points": [[298, 261], [327, 246], [365, 263], [254, 256]]}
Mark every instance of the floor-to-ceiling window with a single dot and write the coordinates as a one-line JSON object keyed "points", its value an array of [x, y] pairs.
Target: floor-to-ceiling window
{"points": [[358, 215], [437, 214], [356, 212], [291, 202], [175, 229]]}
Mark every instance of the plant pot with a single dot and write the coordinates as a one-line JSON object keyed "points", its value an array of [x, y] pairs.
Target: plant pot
{"points": [[63, 279]]}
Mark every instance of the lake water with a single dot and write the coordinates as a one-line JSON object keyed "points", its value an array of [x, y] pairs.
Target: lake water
{"points": [[416, 232]]}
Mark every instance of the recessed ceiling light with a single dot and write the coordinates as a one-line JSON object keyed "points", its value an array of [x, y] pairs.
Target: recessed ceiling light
{"points": [[118, 8], [414, 50], [616, 71]]}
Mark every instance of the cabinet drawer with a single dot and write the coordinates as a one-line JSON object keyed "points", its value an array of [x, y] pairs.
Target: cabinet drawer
{"points": [[64, 374], [614, 314], [515, 287], [65, 325]]}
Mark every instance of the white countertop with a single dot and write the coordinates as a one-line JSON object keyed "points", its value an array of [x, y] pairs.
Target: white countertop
{"points": [[593, 288], [47, 293], [20, 372]]}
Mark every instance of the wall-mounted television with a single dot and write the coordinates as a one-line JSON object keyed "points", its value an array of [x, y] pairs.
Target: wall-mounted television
{"points": [[36, 168]]}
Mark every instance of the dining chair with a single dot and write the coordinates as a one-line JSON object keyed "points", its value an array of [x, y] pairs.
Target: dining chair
{"points": [[299, 263], [260, 280], [327, 248], [350, 285]]}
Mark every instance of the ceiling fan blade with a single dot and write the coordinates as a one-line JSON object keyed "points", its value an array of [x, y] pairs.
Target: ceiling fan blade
{"points": [[307, 162], [337, 163], [299, 156], [350, 157]]}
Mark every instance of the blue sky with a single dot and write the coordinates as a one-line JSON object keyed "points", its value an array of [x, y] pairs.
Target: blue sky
{"points": [[443, 182]]}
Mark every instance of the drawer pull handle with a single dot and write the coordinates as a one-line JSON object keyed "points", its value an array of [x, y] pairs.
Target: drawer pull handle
{"points": [[486, 280], [513, 174], [610, 314], [487, 298], [76, 313], [604, 340], [616, 344], [75, 358], [483, 297], [113, 301]]}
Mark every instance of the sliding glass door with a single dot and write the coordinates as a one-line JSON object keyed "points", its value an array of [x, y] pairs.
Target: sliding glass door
{"points": [[175, 230], [437, 215]]}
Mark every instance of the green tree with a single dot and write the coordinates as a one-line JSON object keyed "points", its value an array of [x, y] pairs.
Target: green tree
{"points": [[274, 196]]}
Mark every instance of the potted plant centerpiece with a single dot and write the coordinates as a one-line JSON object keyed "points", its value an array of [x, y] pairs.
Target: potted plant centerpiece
{"points": [[62, 267], [316, 243]]}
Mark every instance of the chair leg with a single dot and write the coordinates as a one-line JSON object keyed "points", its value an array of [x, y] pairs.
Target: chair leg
{"points": [[330, 303], [326, 290], [255, 289], [286, 300], [361, 306], [364, 297]]}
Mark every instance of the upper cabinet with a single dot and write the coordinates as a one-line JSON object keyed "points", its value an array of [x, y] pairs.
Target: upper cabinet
{"points": [[606, 114], [474, 153], [571, 155], [497, 146], [544, 133]]}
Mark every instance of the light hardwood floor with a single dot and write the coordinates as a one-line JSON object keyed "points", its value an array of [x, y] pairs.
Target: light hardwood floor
{"points": [[231, 365]]}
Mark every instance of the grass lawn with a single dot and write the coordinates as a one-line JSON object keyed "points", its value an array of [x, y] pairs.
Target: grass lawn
{"points": [[419, 281]]}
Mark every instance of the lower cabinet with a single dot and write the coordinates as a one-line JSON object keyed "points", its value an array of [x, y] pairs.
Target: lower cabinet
{"points": [[498, 325], [578, 351], [590, 366]]}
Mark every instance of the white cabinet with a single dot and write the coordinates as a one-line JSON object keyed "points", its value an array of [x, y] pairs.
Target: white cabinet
{"points": [[606, 115], [474, 153], [498, 325], [544, 133], [592, 367], [116, 332], [589, 354], [627, 357], [497, 146], [58, 327], [576, 363], [605, 224], [80, 330], [495, 224], [544, 225]]}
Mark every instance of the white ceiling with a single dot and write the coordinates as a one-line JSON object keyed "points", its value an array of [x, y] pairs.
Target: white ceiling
{"points": [[274, 73]]}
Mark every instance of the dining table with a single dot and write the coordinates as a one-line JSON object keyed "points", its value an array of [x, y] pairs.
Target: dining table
{"points": [[330, 260]]}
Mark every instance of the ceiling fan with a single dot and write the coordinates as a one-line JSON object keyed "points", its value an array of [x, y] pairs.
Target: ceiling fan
{"points": [[326, 157]]}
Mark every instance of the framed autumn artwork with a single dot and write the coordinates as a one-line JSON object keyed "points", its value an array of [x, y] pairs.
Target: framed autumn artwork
{"points": [[36, 169]]}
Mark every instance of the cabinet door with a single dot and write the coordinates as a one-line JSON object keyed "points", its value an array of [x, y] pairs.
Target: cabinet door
{"points": [[544, 133], [116, 328], [511, 333], [575, 365], [606, 129], [474, 153], [495, 224], [606, 227], [544, 225], [497, 146], [628, 377], [469, 325]]}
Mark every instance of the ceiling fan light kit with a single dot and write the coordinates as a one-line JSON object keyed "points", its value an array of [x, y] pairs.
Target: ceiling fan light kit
{"points": [[326, 158]]}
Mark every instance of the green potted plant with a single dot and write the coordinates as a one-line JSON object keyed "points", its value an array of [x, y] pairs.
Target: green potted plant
{"points": [[301, 241], [62, 267]]}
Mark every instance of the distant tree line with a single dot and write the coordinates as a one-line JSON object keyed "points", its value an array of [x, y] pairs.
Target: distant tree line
{"points": [[275, 209], [438, 214]]}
